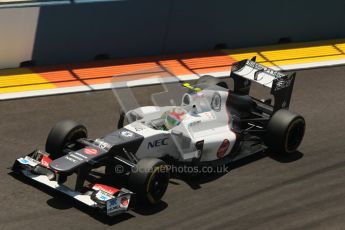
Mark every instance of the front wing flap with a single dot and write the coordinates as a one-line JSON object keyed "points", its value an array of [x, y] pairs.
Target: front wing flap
{"points": [[39, 171]]}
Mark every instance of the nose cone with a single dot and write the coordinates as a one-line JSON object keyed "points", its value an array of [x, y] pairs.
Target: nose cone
{"points": [[77, 158], [124, 138], [117, 140]]}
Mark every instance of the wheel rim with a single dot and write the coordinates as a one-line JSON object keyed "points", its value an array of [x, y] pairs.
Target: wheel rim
{"points": [[75, 135], [295, 135], [158, 184]]}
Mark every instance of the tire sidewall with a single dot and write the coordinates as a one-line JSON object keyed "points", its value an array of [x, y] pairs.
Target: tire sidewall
{"points": [[61, 134], [144, 175], [279, 128], [293, 123]]}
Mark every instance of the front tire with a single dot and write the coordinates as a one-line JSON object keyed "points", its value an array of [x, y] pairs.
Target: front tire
{"points": [[149, 179], [63, 133], [285, 131]]}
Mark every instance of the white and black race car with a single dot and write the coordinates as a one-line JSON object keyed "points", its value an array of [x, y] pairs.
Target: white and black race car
{"points": [[212, 124]]}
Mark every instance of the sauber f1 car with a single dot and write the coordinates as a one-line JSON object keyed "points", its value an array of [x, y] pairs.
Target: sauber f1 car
{"points": [[213, 124]]}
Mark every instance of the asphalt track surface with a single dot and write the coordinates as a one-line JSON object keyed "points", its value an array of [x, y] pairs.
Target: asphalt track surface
{"points": [[303, 191]]}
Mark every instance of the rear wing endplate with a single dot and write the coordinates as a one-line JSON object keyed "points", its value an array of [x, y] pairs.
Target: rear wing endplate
{"points": [[246, 71]]}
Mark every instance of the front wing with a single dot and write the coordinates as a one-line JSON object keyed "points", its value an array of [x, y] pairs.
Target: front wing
{"points": [[109, 200]]}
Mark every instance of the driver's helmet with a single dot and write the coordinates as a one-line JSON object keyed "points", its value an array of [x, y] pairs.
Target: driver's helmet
{"points": [[173, 117]]}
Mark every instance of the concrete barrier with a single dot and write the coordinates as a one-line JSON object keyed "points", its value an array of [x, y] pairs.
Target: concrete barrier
{"points": [[17, 35], [79, 32]]}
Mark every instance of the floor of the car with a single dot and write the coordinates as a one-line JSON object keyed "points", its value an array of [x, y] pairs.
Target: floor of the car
{"points": [[248, 147]]}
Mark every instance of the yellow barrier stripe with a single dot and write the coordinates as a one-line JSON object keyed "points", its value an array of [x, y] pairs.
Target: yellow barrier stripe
{"points": [[306, 60], [25, 79], [287, 46], [26, 88], [295, 53], [22, 79]]}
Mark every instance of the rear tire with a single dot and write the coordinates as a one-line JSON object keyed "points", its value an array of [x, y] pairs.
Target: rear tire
{"points": [[285, 131], [63, 133], [149, 179]]}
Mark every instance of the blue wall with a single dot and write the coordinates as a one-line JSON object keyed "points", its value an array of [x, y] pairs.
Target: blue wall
{"points": [[120, 29], [128, 28], [202, 24]]}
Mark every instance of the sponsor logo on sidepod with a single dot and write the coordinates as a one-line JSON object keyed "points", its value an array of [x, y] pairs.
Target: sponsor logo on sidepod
{"points": [[90, 151]]}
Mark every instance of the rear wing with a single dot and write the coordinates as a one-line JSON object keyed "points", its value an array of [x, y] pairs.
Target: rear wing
{"points": [[246, 71]]}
